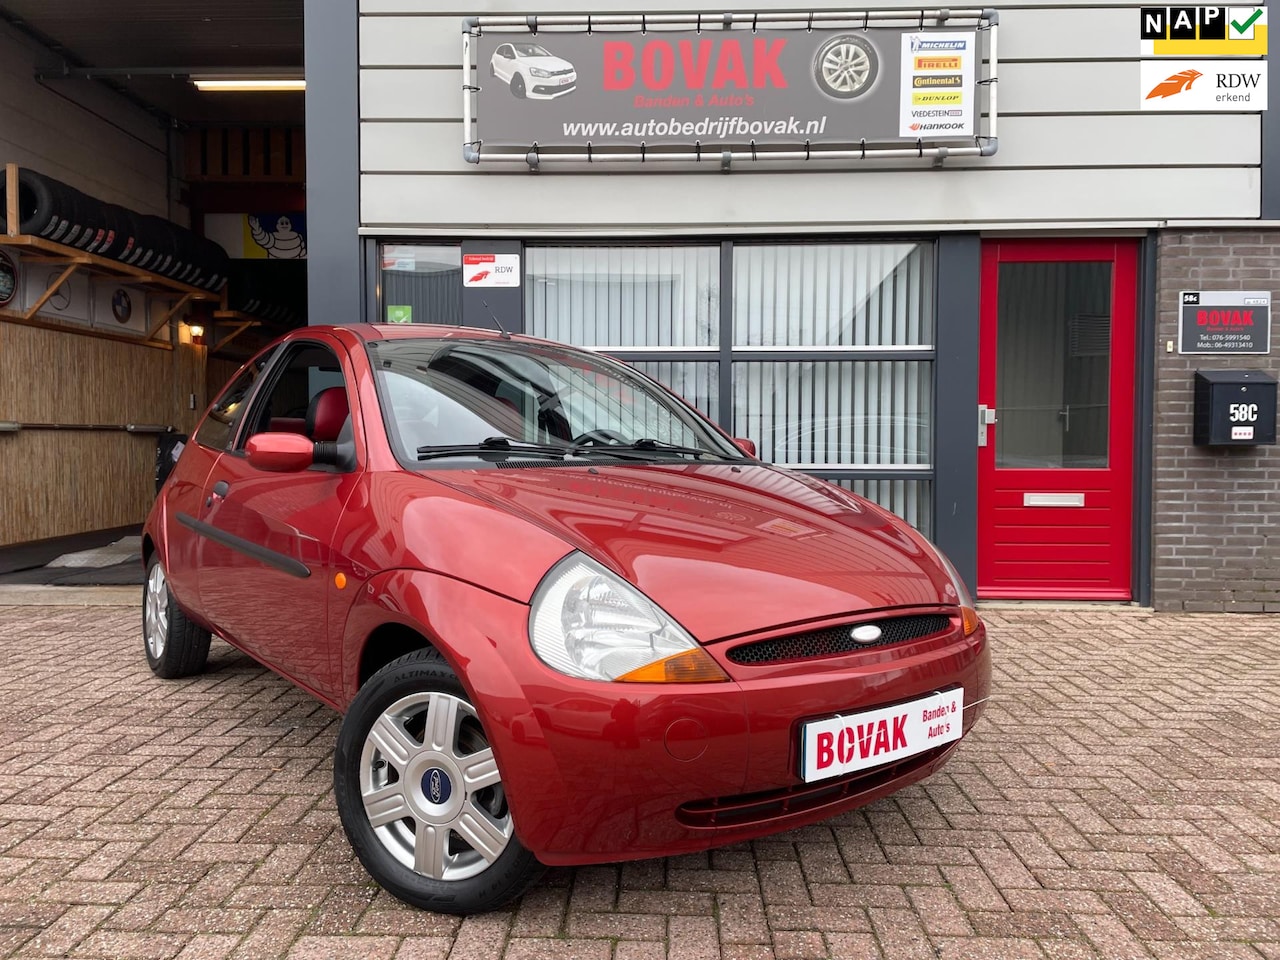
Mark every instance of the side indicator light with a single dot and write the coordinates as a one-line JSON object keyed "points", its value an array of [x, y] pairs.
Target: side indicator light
{"points": [[691, 666], [971, 620]]}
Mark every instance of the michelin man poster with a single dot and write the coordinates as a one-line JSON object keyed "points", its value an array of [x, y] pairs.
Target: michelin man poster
{"points": [[264, 235]]}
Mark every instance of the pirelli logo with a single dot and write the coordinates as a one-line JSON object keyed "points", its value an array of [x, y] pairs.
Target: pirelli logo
{"points": [[1203, 31], [937, 63]]}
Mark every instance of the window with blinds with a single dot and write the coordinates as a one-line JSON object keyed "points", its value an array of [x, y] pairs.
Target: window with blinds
{"points": [[820, 352]]}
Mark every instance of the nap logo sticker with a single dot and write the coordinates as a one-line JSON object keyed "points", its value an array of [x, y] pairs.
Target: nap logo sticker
{"points": [[1203, 31]]}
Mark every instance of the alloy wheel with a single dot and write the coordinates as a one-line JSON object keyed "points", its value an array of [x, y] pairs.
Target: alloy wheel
{"points": [[431, 789], [156, 612]]}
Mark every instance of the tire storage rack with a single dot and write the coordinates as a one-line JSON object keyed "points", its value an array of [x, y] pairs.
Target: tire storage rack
{"points": [[63, 227]]}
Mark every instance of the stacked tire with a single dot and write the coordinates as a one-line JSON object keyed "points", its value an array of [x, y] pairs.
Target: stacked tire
{"points": [[52, 210]]}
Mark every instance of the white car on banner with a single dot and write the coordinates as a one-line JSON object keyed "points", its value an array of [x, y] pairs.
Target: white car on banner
{"points": [[531, 70]]}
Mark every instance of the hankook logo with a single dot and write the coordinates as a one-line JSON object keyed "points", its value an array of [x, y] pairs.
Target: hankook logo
{"points": [[953, 125]]}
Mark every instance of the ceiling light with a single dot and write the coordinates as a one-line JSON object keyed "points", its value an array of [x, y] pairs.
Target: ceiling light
{"points": [[248, 84]]}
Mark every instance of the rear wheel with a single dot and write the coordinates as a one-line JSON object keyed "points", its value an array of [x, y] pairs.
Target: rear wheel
{"points": [[420, 794], [175, 646]]}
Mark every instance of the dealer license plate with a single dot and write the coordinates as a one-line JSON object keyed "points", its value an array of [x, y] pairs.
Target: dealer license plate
{"points": [[840, 745]]}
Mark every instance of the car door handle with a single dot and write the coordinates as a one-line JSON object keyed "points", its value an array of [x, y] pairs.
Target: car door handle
{"points": [[219, 491]]}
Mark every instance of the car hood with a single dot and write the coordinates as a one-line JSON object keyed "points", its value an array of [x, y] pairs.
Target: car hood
{"points": [[547, 63], [725, 550]]}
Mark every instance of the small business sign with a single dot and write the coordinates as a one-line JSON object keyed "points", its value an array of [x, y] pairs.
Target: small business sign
{"points": [[1224, 322], [400, 313], [1218, 86], [1203, 32], [491, 269]]}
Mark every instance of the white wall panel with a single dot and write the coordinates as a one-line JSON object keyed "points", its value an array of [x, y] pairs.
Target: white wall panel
{"points": [[117, 155], [1069, 104], [1144, 140], [414, 94], [713, 201]]}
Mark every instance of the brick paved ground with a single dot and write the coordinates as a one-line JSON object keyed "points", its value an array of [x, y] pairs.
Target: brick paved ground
{"points": [[1121, 799]]}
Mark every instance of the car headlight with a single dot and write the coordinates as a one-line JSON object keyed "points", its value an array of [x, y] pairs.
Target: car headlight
{"points": [[539, 72], [587, 622], [968, 614]]}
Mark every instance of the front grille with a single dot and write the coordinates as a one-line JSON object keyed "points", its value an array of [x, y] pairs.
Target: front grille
{"points": [[835, 641], [751, 808]]}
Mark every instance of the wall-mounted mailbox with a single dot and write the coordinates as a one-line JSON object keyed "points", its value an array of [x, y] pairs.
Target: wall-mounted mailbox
{"points": [[1234, 408]]}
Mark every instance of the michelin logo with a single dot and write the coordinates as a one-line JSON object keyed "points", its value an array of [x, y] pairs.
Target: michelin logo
{"points": [[921, 45]]}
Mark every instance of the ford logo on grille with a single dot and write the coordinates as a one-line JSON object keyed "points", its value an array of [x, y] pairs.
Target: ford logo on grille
{"points": [[867, 633], [436, 785]]}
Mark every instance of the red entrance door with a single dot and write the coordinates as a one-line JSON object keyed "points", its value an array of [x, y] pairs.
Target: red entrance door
{"points": [[1056, 382]]}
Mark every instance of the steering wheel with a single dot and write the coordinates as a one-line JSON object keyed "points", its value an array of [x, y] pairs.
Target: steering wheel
{"points": [[599, 438]]}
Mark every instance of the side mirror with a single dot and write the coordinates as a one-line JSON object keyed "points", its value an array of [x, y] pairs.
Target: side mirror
{"points": [[746, 446], [280, 452]]}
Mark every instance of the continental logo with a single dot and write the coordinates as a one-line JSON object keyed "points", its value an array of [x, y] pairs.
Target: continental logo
{"points": [[1178, 83], [937, 63], [941, 80], [937, 97]]}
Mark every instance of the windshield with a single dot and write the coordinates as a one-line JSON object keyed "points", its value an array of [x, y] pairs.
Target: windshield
{"points": [[530, 50], [443, 394]]}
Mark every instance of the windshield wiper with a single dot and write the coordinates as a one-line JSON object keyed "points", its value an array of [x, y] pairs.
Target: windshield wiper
{"points": [[644, 445], [498, 445]]}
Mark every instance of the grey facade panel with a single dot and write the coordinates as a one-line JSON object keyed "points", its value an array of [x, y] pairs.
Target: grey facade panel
{"points": [[334, 291], [955, 430]]}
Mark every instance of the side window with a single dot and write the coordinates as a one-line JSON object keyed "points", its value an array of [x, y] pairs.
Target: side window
{"points": [[307, 395], [224, 416]]}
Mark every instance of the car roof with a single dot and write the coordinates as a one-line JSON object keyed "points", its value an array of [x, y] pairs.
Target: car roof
{"points": [[420, 331]]}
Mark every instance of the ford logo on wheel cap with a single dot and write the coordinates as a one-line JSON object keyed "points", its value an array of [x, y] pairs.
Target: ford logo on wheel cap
{"points": [[437, 786], [867, 633]]}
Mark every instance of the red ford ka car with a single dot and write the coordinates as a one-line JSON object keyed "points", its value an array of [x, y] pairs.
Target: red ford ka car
{"points": [[567, 619]]}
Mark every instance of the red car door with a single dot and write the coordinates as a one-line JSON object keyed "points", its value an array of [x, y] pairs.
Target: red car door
{"points": [[265, 556]]}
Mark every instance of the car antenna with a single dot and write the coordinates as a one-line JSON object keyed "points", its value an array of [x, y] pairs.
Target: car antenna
{"points": [[496, 322]]}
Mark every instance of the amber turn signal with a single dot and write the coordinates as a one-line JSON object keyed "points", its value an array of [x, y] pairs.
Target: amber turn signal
{"points": [[970, 618], [691, 666]]}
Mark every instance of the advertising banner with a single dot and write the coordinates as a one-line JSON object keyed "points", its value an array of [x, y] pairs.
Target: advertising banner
{"points": [[710, 89]]}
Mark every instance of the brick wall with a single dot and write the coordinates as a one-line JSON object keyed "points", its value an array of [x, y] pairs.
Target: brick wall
{"points": [[1217, 511]]}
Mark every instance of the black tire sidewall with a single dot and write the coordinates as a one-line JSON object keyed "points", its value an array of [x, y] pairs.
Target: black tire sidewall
{"points": [[502, 881], [518, 88]]}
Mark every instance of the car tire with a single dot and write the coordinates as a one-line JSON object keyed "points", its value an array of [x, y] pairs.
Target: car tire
{"points": [[493, 72], [517, 87], [174, 645], [845, 67], [423, 833]]}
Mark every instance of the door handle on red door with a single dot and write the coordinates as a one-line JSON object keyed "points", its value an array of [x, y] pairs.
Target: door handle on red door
{"points": [[986, 417], [219, 492]]}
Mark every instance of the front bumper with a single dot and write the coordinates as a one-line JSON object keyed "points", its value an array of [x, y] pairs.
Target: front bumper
{"points": [[604, 772]]}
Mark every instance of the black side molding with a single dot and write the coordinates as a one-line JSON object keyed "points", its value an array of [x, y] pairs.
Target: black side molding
{"points": [[295, 568]]}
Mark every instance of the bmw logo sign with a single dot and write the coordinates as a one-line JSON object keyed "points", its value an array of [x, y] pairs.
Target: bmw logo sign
{"points": [[867, 633], [436, 786]]}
